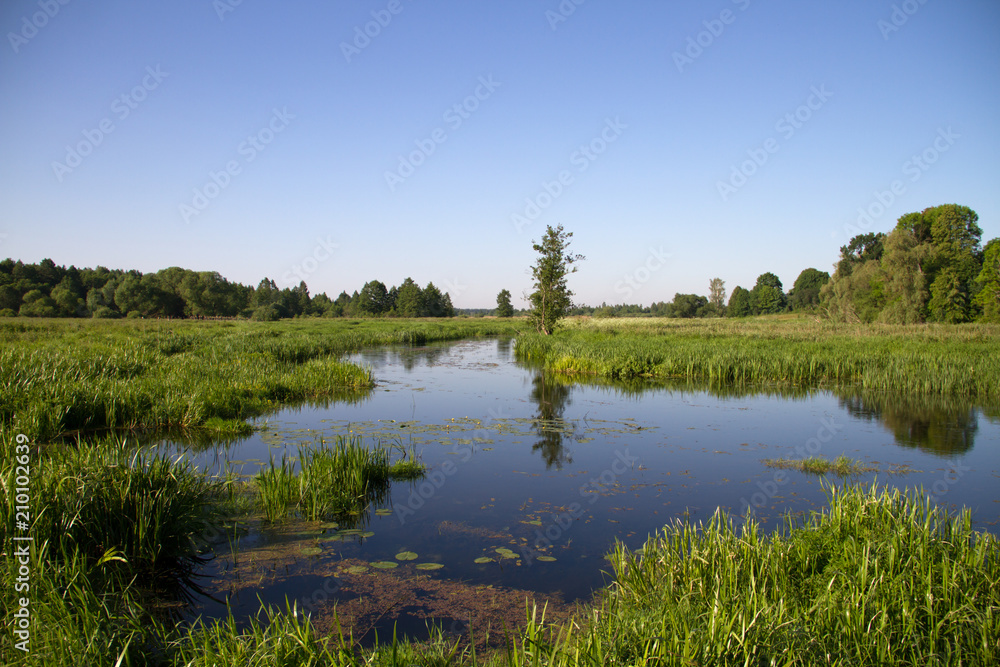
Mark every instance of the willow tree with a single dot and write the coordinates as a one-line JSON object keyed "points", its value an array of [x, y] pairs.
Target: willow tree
{"points": [[552, 298]]}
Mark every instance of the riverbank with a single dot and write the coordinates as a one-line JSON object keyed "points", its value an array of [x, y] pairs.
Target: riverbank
{"points": [[935, 360]]}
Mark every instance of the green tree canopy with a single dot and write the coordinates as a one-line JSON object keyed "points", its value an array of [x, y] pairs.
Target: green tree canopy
{"points": [[768, 295], [504, 306], [805, 291], [988, 280], [740, 303], [409, 300], [373, 298]]}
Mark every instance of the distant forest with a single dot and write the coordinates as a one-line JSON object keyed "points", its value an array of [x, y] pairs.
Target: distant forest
{"points": [[47, 290], [930, 268]]}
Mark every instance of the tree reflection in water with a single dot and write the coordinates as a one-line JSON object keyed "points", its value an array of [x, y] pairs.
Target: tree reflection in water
{"points": [[551, 396]]}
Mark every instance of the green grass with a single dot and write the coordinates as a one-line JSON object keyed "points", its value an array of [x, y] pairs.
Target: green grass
{"points": [[332, 481], [117, 533], [817, 465], [941, 360], [879, 578], [64, 376]]}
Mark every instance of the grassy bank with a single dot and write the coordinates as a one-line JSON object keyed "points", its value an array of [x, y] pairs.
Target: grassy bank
{"points": [[62, 376], [879, 577], [957, 361]]}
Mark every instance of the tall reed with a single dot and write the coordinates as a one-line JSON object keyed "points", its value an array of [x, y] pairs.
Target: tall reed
{"points": [[332, 480]]}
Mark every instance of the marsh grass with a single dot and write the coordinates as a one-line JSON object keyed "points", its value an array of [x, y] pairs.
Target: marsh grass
{"points": [[147, 509], [842, 466], [61, 376], [880, 577], [941, 360], [117, 532], [331, 480]]}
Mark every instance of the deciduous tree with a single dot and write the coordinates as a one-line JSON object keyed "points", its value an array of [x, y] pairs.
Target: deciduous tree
{"points": [[504, 306], [552, 298]]}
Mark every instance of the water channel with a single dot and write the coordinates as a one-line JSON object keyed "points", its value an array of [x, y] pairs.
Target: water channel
{"points": [[532, 478]]}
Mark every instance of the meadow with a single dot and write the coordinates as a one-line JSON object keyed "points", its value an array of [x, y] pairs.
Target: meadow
{"points": [[878, 577]]}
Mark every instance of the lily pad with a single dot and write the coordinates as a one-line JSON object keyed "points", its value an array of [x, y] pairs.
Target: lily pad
{"points": [[367, 533], [385, 564], [484, 559], [545, 559], [505, 553], [311, 551], [406, 555], [332, 525], [429, 566], [336, 537], [357, 569]]}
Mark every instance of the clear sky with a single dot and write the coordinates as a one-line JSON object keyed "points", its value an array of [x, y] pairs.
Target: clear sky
{"points": [[355, 140]]}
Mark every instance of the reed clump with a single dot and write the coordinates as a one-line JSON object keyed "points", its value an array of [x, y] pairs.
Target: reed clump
{"points": [[330, 480], [842, 466]]}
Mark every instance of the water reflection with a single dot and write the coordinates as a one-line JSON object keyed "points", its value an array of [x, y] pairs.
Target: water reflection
{"points": [[944, 426], [935, 425], [408, 358], [551, 396]]}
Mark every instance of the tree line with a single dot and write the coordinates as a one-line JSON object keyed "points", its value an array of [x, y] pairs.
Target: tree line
{"points": [[930, 268], [47, 290]]}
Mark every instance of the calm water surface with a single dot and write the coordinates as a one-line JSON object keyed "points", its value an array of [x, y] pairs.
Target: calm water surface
{"points": [[543, 467]]}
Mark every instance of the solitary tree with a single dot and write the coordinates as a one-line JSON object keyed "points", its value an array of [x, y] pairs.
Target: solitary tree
{"points": [[552, 298], [504, 307], [717, 292]]}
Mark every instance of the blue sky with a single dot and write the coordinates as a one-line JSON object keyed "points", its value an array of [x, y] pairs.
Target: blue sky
{"points": [[677, 141]]}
